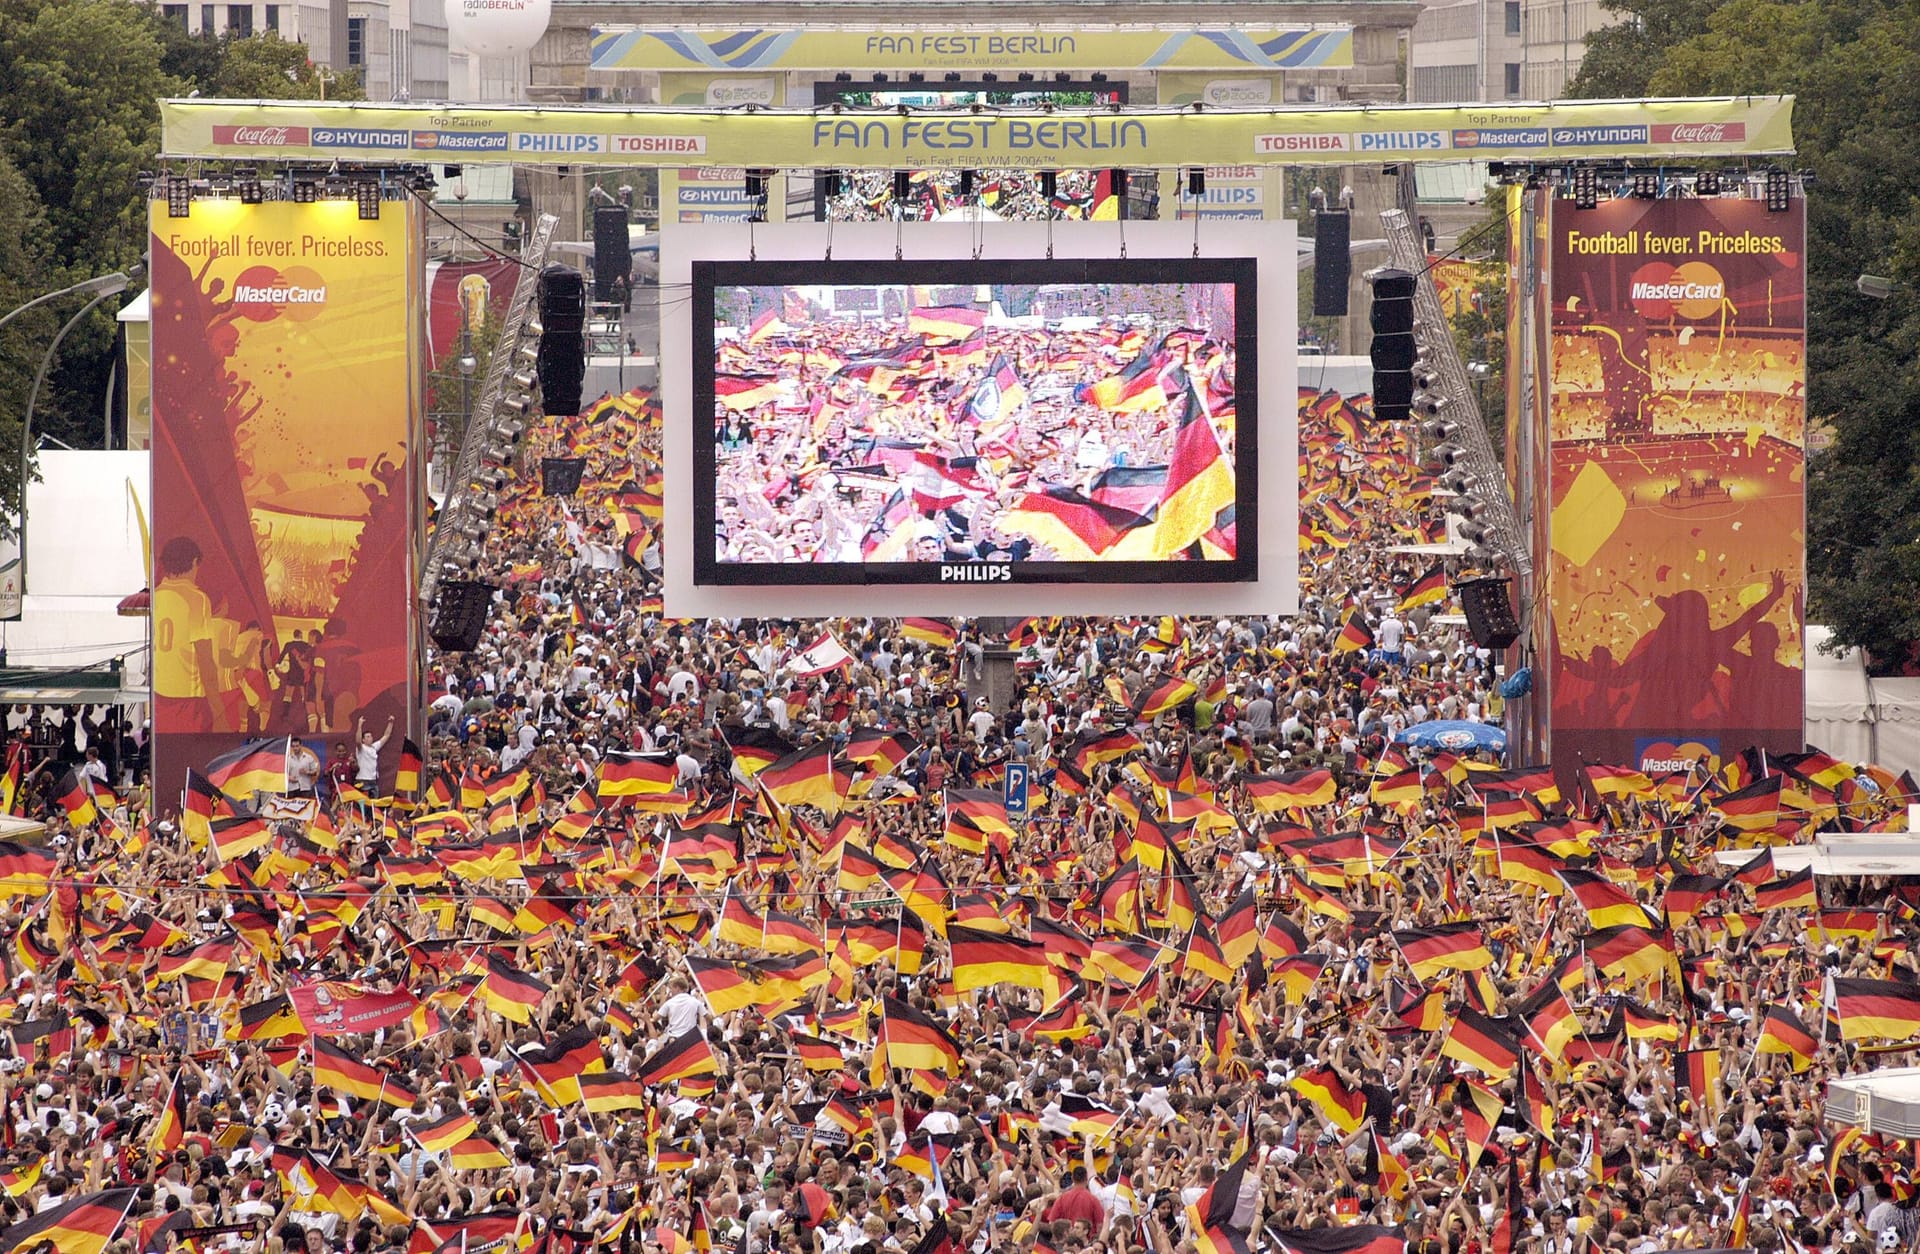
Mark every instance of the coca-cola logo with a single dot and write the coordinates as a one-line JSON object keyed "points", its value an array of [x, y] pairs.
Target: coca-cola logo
{"points": [[260, 136], [1700, 133]]}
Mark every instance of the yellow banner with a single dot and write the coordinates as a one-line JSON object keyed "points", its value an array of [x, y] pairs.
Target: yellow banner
{"points": [[1000, 47], [784, 139]]}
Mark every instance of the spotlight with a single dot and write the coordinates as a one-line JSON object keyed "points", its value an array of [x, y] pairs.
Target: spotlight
{"points": [[1586, 188], [1063, 77], [1707, 183], [1646, 187], [1196, 182], [510, 429], [916, 76], [518, 404], [843, 77], [1779, 191], [367, 195], [1430, 405], [880, 77], [1439, 429], [497, 455], [1449, 453], [247, 183], [490, 480], [305, 191], [1026, 76], [179, 198], [1099, 76], [953, 76], [989, 77], [1474, 532], [902, 184], [523, 380]]}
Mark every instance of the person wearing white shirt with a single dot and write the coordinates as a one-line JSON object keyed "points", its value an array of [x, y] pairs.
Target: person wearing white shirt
{"points": [[680, 1012]]}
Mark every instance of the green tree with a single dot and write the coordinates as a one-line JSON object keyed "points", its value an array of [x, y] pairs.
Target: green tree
{"points": [[267, 67], [1853, 67], [1621, 58], [23, 276]]}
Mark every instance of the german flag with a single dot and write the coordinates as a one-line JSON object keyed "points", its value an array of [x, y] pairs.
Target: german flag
{"points": [[880, 750], [1789, 892], [25, 872], [10, 780], [1643, 1024], [1090, 1118], [1136, 387], [1200, 478], [946, 322], [984, 807], [1480, 1043], [1210, 1216], [413, 768], [74, 798], [1616, 781], [170, 1129], [1401, 788], [1632, 952], [816, 1054], [257, 766], [18, 1180], [1354, 636], [744, 391], [755, 748], [1448, 947], [510, 992], [1153, 700], [804, 777], [1073, 526], [334, 1068], [1239, 929], [931, 631], [984, 959], [1757, 870], [1480, 1109], [682, 1057], [1883, 1009], [1781, 1032], [558, 1065], [1550, 1020], [1753, 808], [237, 837], [912, 1040], [635, 775], [439, 1135], [1321, 1086], [85, 1225], [1291, 790], [608, 1091], [1428, 589], [477, 1153], [1606, 903], [1696, 1072], [1522, 863], [1097, 746], [1352, 1239], [1687, 896], [207, 961]]}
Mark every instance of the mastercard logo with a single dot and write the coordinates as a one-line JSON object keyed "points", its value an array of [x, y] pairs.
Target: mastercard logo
{"points": [[1692, 289], [262, 293], [1671, 755]]}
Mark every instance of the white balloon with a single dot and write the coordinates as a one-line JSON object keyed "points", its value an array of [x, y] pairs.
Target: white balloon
{"points": [[497, 28]]}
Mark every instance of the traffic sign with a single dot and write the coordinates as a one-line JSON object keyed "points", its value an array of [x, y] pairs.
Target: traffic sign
{"points": [[1015, 789]]}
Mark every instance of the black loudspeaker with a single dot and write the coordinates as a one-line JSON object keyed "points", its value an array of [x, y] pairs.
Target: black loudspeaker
{"points": [[1489, 612], [1332, 262], [612, 255], [563, 301], [1393, 346], [562, 367], [460, 615]]}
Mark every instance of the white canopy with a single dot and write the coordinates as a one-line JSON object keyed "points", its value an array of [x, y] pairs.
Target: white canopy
{"points": [[1885, 1101], [1840, 853]]}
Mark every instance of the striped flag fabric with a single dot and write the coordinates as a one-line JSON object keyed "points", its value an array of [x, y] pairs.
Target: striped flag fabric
{"points": [[257, 766], [1874, 1009], [1200, 477], [84, 1225], [933, 631], [913, 1040], [1352, 1239], [1429, 589], [1447, 947], [1210, 1216], [634, 775], [1480, 1043], [1782, 1033], [1354, 635], [684, 1056]]}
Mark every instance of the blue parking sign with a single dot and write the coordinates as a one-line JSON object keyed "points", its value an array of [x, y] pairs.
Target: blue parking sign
{"points": [[1015, 789]]}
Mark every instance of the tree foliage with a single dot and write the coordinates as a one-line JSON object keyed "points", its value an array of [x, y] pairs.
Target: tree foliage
{"points": [[1853, 67]]}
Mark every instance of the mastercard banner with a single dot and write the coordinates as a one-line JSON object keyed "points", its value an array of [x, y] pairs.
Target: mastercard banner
{"points": [[1677, 415], [284, 412]]}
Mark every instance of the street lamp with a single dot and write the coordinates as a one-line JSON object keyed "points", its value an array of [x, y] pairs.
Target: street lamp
{"points": [[100, 287]]}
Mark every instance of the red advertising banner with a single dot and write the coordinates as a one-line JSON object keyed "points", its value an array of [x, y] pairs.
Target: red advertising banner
{"points": [[1677, 413], [284, 345]]}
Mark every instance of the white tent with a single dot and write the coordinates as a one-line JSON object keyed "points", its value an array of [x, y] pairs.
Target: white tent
{"points": [[1839, 715], [1886, 1101]]}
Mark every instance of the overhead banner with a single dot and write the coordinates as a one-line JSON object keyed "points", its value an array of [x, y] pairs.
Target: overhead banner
{"points": [[943, 47], [284, 343], [1677, 416], [1081, 139]]}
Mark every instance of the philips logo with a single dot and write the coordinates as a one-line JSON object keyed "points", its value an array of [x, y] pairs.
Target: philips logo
{"points": [[1401, 141], [525, 142], [988, 572], [1679, 291]]}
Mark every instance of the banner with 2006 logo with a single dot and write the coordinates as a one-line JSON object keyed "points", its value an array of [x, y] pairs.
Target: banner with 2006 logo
{"points": [[778, 139]]}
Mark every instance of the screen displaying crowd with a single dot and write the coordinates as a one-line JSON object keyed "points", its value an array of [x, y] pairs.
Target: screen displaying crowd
{"points": [[981, 423], [676, 936]]}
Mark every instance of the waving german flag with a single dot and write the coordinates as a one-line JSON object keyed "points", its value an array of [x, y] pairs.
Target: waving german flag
{"points": [[683, 1056], [1339, 1105], [1352, 1239], [879, 749], [25, 872], [1428, 589], [1883, 1009], [334, 1068], [84, 1225], [745, 391], [1480, 1043], [1789, 892], [804, 777], [1632, 952], [609, 1091], [1153, 700], [1291, 790], [1606, 903], [984, 959], [257, 766], [635, 775], [1781, 1032], [1210, 1216], [510, 992], [1355, 636], [1448, 947], [911, 1039], [1200, 478]]}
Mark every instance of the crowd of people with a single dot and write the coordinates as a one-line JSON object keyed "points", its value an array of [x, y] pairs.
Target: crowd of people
{"points": [[662, 941]]}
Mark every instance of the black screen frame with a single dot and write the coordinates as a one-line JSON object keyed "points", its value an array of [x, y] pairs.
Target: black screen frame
{"points": [[708, 276]]}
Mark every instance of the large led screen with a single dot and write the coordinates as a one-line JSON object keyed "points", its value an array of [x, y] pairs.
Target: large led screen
{"points": [[1054, 420]]}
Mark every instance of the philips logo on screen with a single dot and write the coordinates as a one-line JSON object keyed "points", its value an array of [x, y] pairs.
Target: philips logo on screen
{"points": [[992, 572]]}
